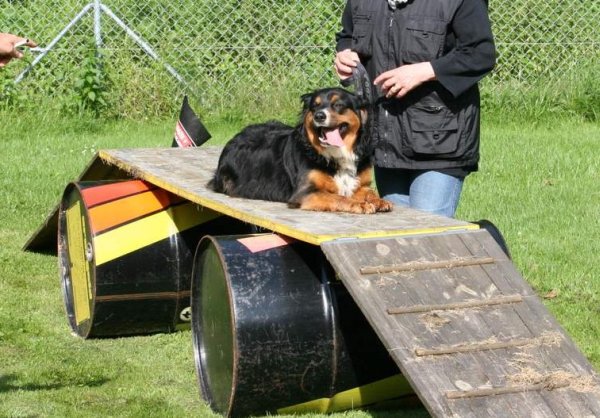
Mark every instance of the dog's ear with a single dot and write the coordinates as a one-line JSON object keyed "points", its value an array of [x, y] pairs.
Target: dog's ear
{"points": [[306, 98], [364, 108], [364, 115]]}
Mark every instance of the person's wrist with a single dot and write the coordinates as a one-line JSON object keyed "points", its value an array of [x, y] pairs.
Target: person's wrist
{"points": [[428, 71]]}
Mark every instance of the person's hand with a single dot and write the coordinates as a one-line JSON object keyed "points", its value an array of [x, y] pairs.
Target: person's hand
{"points": [[8, 51], [344, 62], [399, 81]]}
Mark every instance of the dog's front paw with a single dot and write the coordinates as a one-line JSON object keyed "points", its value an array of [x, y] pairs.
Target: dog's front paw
{"points": [[383, 205], [363, 207]]}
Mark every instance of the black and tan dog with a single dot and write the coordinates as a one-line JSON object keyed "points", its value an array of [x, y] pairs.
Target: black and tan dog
{"points": [[323, 164]]}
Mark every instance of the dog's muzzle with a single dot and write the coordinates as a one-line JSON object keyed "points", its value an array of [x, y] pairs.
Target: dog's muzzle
{"points": [[329, 133]]}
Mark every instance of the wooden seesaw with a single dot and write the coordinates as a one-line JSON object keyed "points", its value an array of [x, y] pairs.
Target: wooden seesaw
{"points": [[296, 311]]}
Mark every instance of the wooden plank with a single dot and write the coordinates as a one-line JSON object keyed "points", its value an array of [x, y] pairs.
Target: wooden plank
{"points": [[475, 393], [467, 325], [468, 347], [477, 349], [458, 305], [186, 171], [509, 322], [428, 265], [501, 272], [468, 369], [501, 363], [566, 358], [442, 286], [473, 369]]}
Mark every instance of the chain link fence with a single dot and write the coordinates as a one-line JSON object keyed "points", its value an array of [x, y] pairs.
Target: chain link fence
{"points": [[232, 53]]}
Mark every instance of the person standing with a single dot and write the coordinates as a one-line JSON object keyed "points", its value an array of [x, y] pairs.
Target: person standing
{"points": [[8, 47], [426, 58]]}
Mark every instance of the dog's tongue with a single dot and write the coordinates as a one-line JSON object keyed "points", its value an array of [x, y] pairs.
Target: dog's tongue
{"points": [[334, 138]]}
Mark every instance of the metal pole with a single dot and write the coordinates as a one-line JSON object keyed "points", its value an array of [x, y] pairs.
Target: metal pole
{"points": [[97, 24], [98, 9], [54, 42]]}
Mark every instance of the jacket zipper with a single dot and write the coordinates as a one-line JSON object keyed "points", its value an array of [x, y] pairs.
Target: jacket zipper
{"points": [[388, 57]]}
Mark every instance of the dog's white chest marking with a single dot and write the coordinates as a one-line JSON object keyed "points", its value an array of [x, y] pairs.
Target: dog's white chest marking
{"points": [[346, 182], [346, 179]]}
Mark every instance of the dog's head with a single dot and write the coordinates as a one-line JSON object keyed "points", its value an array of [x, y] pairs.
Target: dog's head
{"points": [[334, 120]]}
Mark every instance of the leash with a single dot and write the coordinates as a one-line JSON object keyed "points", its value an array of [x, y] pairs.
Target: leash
{"points": [[362, 84], [363, 88]]}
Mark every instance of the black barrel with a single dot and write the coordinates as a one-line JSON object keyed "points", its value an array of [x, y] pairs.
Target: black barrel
{"points": [[125, 254], [275, 332]]}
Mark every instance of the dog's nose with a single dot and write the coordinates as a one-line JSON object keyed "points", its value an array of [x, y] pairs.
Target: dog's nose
{"points": [[320, 116]]}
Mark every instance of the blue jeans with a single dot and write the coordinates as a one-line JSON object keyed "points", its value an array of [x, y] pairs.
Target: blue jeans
{"points": [[426, 190]]}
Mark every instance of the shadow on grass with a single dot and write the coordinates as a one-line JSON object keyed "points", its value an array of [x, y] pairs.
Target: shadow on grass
{"points": [[11, 382], [405, 407]]}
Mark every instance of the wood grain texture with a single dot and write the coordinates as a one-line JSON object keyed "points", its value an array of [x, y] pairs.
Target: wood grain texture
{"points": [[499, 360], [186, 171], [481, 303]]}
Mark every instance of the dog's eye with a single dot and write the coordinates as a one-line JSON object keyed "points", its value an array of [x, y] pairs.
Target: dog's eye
{"points": [[339, 107]]}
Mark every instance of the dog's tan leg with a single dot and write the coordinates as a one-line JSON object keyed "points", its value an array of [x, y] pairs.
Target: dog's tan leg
{"points": [[322, 201]]}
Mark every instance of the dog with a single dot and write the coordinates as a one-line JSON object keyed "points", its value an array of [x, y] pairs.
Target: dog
{"points": [[324, 163]]}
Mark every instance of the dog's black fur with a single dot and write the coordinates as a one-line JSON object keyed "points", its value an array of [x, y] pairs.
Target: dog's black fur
{"points": [[298, 165]]}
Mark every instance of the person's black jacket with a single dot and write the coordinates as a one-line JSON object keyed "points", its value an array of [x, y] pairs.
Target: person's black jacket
{"points": [[436, 126]]}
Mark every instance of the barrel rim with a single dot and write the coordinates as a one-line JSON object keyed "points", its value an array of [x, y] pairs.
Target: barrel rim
{"points": [[67, 292], [202, 384]]}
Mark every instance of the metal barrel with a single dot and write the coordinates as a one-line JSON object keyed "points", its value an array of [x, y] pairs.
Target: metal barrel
{"points": [[275, 332], [125, 256]]}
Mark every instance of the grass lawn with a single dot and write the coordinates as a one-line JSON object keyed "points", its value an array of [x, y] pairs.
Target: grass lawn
{"points": [[539, 183]]}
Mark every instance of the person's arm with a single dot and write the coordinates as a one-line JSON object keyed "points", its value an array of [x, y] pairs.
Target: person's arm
{"points": [[461, 68], [474, 54], [345, 59], [343, 38]]}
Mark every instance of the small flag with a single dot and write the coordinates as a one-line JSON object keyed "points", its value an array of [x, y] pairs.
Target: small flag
{"points": [[189, 131]]}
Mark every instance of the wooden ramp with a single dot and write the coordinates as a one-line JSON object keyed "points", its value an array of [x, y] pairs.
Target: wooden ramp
{"points": [[465, 329], [463, 326], [185, 172]]}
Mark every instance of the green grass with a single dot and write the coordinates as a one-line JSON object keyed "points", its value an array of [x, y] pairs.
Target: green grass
{"points": [[540, 183]]}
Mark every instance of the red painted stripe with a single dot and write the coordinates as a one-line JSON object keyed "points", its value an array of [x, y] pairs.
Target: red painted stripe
{"points": [[182, 136], [96, 195], [125, 210]]}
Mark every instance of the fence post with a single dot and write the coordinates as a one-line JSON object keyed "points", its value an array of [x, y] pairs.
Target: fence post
{"points": [[97, 24]]}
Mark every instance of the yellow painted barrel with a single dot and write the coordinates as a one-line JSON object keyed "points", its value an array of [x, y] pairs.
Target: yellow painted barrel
{"points": [[125, 255]]}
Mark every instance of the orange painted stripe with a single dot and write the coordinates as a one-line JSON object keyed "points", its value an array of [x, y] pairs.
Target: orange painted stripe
{"points": [[96, 195], [118, 212]]}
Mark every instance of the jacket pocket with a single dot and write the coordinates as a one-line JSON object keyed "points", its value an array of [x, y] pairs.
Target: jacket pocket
{"points": [[362, 33], [433, 131], [423, 40]]}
